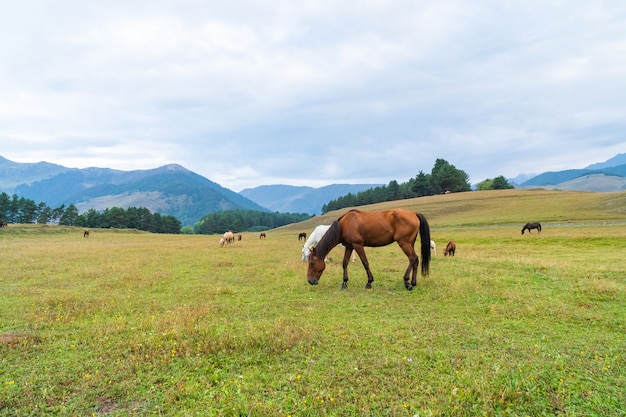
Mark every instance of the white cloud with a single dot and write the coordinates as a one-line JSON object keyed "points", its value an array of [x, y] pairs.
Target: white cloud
{"points": [[315, 92]]}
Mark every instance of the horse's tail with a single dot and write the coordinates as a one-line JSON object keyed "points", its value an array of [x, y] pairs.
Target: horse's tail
{"points": [[425, 239]]}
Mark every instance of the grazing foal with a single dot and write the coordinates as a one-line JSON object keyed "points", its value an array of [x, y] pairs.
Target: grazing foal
{"points": [[450, 248]]}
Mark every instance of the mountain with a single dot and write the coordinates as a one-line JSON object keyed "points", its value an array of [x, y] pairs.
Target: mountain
{"points": [[13, 174], [519, 179], [605, 176], [617, 160], [294, 199], [170, 189]]}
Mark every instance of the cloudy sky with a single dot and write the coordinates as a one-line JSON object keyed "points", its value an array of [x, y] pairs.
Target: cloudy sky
{"points": [[250, 93]]}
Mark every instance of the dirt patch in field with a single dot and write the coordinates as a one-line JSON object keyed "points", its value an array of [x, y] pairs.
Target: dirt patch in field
{"points": [[12, 339]]}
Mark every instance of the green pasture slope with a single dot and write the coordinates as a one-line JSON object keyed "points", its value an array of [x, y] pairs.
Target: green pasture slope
{"points": [[129, 323]]}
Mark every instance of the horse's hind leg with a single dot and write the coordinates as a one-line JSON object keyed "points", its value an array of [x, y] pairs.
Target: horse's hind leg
{"points": [[411, 269]]}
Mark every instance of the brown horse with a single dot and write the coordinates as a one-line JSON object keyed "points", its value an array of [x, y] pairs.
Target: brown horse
{"points": [[529, 226], [302, 236], [262, 235], [450, 248], [3, 223], [86, 233], [357, 229]]}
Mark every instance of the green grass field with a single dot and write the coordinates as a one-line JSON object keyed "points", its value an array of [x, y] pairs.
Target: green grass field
{"points": [[129, 323]]}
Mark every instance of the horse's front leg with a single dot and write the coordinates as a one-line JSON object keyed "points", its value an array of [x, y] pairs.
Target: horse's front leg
{"points": [[370, 277], [345, 263]]}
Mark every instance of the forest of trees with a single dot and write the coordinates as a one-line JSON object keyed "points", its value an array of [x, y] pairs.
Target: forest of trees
{"points": [[245, 220], [443, 178], [23, 210]]}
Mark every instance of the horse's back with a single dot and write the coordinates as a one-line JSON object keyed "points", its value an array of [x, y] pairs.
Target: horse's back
{"points": [[379, 228], [382, 218]]}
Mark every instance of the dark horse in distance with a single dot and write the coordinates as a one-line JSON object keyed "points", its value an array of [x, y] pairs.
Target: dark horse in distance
{"points": [[302, 236], [529, 226], [357, 229]]}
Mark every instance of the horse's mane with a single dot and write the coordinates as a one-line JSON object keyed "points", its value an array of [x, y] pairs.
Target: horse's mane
{"points": [[329, 240]]}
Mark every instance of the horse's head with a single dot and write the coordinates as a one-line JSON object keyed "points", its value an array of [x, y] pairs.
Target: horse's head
{"points": [[316, 267]]}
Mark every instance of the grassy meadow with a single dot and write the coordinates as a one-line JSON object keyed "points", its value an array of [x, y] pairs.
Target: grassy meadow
{"points": [[130, 323]]}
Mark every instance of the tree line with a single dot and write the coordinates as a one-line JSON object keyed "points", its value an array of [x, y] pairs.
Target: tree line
{"points": [[443, 178], [23, 210], [245, 220]]}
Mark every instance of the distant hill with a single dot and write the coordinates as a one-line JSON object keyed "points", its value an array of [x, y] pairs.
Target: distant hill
{"points": [[294, 199], [13, 174], [608, 176], [170, 189], [617, 160]]}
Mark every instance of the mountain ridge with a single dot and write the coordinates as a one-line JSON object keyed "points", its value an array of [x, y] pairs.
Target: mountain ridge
{"points": [[566, 179], [170, 189], [617, 160], [300, 199], [174, 190]]}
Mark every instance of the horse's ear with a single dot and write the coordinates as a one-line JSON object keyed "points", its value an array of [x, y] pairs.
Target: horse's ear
{"points": [[312, 250]]}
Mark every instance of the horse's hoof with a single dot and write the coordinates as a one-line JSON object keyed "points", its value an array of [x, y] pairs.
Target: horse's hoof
{"points": [[368, 286], [344, 286]]}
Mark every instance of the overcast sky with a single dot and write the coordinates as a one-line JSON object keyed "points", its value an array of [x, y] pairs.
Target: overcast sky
{"points": [[250, 93]]}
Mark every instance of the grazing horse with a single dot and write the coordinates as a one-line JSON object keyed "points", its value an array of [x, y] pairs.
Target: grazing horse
{"points": [[529, 226], [3, 223], [239, 237], [433, 247], [86, 233], [302, 236], [357, 229], [227, 239], [262, 235], [450, 248]]}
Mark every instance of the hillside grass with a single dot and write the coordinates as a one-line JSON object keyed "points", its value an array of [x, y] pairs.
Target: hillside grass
{"points": [[132, 323], [505, 207]]}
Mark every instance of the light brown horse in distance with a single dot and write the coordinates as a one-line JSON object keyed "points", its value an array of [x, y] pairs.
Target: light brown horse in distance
{"points": [[357, 229], [450, 248]]}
